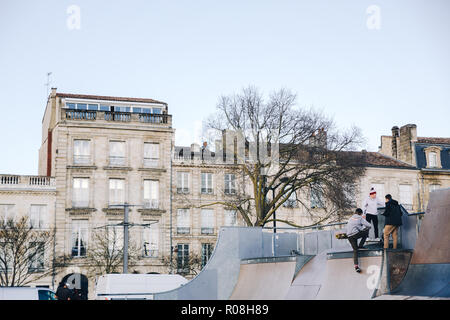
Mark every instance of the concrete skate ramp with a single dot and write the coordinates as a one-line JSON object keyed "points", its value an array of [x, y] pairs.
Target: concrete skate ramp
{"points": [[264, 279], [218, 278], [309, 279], [429, 271], [343, 283]]}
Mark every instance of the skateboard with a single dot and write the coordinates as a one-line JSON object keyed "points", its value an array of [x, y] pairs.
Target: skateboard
{"points": [[341, 236]]}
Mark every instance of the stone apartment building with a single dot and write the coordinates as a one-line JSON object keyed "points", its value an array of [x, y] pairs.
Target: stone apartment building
{"points": [[429, 155], [100, 151]]}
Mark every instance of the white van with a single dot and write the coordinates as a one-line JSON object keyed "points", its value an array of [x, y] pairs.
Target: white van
{"points": [[135, 286], [26, 293]]}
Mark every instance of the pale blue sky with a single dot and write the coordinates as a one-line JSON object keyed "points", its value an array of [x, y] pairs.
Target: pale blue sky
{"points": [[188, 53]]}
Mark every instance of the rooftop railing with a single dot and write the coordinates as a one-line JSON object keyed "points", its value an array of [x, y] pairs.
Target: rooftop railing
{"points": [[115, 116], [26, 182]]}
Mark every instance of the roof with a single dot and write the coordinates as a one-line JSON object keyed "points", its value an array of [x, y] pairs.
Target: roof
{"points": [[95, 97], [432, 140], [373, 159], [376, 159]]}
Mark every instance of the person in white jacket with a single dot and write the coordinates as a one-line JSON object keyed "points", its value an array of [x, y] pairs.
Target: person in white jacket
{"points": [[370, 209]]}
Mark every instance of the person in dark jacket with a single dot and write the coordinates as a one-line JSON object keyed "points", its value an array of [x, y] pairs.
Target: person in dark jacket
{"points": [[63, 292], [393, 221]]}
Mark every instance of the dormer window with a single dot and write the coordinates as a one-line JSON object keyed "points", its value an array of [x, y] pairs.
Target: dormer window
{"points": [[433, 157]]}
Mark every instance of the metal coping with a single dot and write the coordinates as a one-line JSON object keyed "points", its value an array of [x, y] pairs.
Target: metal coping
{"points": [[269, 259], [349, 254]]}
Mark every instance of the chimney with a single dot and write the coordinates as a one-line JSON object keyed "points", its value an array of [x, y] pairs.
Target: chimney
{"points": [[408, 135], [395, 136], [319, 139]]}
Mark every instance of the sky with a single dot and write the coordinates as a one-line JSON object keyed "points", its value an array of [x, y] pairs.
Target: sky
{"points": [[372, 64]]}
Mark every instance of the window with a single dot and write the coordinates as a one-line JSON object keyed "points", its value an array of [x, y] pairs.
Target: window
{"points": [[46, 295], [207, 249], [432, 159], [115, 237], [117, 153], [120, 108], [81, 106], [183, 221], [406, 198], [80, 196], [207, 221], [6, 212], [36, 257], [79, 238], [81, 152], [70, 105], [104, 107], [316, 197], [230, 183], [183, 258], [207, 183], [230, 218], [151, 154], [116, 191], [182, 182], [92, 106], [7, 255], [433, 187], [291, 202], [151, 240], [38, 216], [151, 194]]}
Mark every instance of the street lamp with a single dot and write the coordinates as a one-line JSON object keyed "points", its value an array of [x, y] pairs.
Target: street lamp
{"points": [[273, 188], [126, 208], [282, 180]]}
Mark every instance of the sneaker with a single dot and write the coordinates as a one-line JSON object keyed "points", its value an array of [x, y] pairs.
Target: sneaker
{"points": [[377, 239], [358, 269], [369, 239]]}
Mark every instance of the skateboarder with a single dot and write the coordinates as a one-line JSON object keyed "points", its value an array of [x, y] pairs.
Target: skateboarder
{"points": [[370, 206], [357, 228], [393, 221]]}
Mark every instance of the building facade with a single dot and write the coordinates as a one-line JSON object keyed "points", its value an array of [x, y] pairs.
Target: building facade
{"points": [[429, 155], [99, 152]]}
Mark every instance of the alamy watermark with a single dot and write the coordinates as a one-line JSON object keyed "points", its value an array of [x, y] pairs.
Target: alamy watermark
{"points": [[73, 21], [373, 21]]}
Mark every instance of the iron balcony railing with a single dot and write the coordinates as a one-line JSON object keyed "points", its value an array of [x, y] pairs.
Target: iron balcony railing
{"points": [[92, 115]]}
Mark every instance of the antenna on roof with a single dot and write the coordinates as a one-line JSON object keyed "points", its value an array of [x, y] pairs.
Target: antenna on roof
{"points": [[48, 81]]}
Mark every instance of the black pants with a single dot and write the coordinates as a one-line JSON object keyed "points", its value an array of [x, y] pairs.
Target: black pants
{"points": [[374, 218], [354, 243]]}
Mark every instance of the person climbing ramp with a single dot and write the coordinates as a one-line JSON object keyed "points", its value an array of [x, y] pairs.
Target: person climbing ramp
{"points": [[357, 228]]}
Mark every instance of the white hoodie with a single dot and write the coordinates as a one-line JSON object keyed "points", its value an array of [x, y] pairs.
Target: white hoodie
{"points": [[370, 205]]}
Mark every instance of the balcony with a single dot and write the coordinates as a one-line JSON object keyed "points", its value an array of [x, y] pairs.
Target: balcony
{"points": [[183, 230], [207, 230], [115, 116], [151, 204], [18, 182]]}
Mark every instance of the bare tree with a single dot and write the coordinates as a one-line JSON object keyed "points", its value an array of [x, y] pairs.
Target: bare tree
{"points": [[192, 264], [280, 150], [105, 254], [24, 252]]}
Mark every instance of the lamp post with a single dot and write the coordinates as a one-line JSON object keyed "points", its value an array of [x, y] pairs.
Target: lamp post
{"points": [[273, 188], [126, 207]]}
